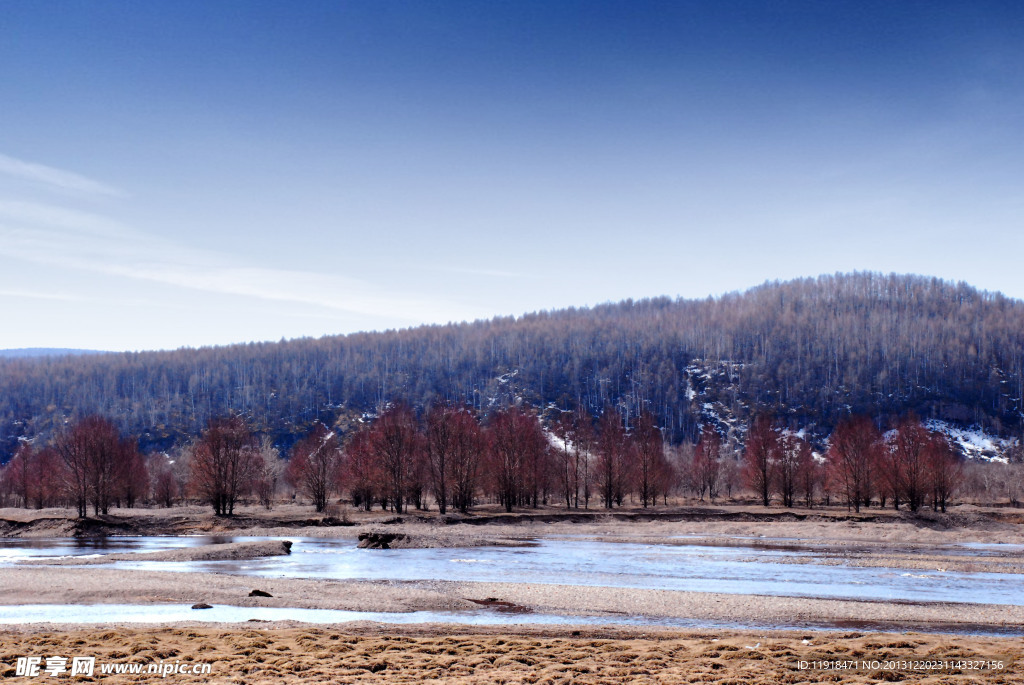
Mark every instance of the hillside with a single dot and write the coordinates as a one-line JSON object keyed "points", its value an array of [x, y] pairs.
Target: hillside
{"points": [[810, 350]]}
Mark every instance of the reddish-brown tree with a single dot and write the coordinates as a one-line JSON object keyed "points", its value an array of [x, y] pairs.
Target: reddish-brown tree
{"points": [[575, 431], [518, 457], [854, 451], [945, 470], [469, 448], [611, 448], [583, 442], [223, 463], [793, 451], [451, 434], [809, 476], [649, 457], [362, 470], [314, 465], [666, 478], [395, 441], [133, 474], [165, 486], [567, 451], [23, 474], [92, 452], [706, 463], [761, 456], [908, 462]]}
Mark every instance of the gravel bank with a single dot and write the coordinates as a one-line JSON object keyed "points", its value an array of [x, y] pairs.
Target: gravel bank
{"points": [[68, 585], [223, 552]]}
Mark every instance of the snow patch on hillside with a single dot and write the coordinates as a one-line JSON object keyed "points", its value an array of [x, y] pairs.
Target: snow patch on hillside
{"points": [[973, 442]]}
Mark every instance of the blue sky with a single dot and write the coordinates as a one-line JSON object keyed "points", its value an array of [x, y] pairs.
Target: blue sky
{"points": [[194, 173]]}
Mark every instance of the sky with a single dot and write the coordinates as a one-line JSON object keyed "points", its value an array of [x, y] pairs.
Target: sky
{"points": [[187, 173]]}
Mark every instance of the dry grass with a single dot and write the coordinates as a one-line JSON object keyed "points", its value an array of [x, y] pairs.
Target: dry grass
{"points": [[445, 654]]}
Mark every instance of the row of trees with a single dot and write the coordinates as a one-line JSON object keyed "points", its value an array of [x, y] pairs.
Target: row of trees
{"points": [[909, 465], [453, 458], [398, 459], [89, 464], [92, 464]]}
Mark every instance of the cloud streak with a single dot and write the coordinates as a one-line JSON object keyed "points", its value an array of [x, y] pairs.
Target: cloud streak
{"points": [[60, 237], [56, 178]]}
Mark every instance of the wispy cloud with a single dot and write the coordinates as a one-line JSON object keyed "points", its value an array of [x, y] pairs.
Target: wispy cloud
{"points": [[66, 238], [56, 178]]}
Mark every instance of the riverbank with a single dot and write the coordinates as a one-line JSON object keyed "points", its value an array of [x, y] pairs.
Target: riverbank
{"points": [[361, 653], [490, 525]]}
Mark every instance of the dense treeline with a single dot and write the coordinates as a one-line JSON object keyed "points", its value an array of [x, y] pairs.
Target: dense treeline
{"points": [[451, 457], [812, 351]]}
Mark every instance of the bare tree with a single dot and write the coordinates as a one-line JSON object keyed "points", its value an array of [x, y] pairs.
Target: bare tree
{"points": [[568, 473], [92, 451], [945, 470], [706, 468], [575, 432], [22, 473], [650, 456], [611, 446], [793, 452], [583, 444], [809, 475], [395, 440], [165, 486], [362, 470], [223, 463], [470, 444], [731, 475], [908, 461], [269, 471], [761, 456], [441, 443], [133, 475], [518, 450], [853, 449], [313, 468]]}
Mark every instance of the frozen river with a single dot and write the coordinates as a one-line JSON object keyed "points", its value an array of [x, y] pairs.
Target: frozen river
{"points": [[736, 569]]}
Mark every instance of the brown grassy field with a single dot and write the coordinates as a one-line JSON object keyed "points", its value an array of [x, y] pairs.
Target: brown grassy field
{"points": [[446, 654]]}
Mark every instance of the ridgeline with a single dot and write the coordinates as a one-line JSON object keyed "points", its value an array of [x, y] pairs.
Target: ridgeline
{"points": [[809, 350]]}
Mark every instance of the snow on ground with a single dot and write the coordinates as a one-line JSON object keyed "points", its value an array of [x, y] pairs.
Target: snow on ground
{"points": [[974, 442]]}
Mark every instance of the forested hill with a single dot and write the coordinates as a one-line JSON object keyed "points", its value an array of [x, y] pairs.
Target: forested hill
{"points": [[810, 350]]}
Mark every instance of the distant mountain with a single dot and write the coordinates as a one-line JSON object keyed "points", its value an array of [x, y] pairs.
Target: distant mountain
{"points": [[809, 351], [43, 352]]}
